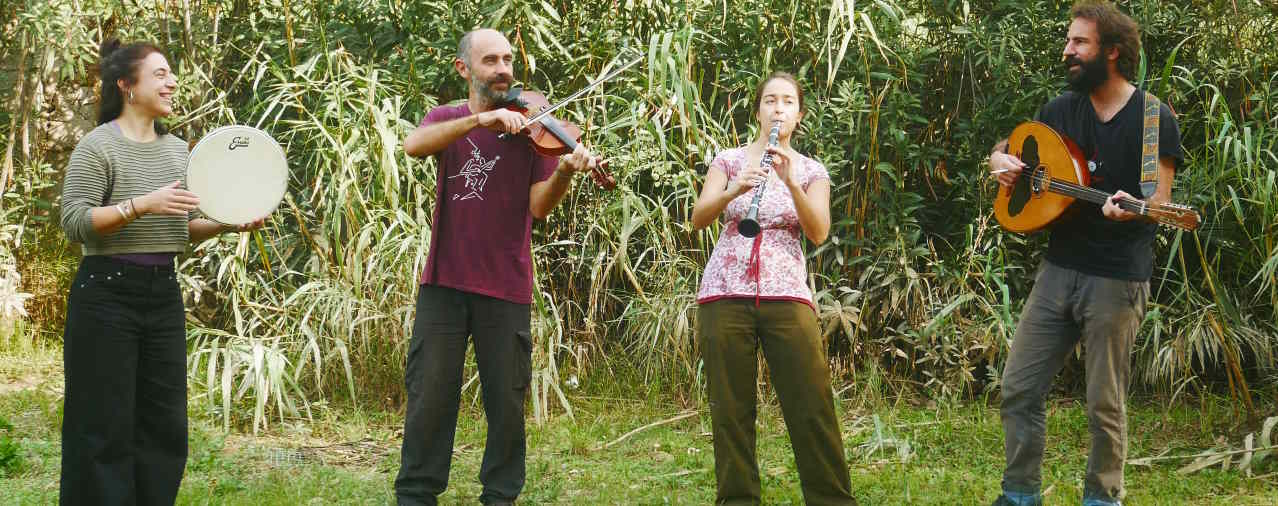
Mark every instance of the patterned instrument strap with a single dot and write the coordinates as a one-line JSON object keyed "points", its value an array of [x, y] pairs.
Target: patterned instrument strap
{"points": [[1149, 148]]}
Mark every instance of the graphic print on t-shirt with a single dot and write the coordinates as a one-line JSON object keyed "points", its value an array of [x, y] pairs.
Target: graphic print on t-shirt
{"points": [[476, 173]]}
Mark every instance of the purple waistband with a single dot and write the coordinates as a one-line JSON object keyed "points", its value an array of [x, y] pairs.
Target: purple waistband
{"points": [[147, 259]]}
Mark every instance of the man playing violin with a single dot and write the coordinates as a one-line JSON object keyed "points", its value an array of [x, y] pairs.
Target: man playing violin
{"points": [[1094, 282], [478, 277]]}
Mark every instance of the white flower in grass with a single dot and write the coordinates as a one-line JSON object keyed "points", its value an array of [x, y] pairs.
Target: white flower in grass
{"points": [[12, 301]]}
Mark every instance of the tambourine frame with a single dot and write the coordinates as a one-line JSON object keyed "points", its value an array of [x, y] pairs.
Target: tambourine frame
{"points": [[206, 142]]}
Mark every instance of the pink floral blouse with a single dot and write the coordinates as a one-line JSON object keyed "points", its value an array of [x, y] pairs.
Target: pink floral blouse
{"points": [[770, 266]]}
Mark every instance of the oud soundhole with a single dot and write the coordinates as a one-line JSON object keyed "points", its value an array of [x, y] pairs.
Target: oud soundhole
{"points": [[1025, 187], [1020, 196]]}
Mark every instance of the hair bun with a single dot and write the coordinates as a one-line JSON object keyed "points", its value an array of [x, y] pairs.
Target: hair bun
{"points": [[109, 46]]}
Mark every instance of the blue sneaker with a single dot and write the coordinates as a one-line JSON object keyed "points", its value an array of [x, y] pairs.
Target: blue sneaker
{"points": [[1018, 499], [1100, 502]]}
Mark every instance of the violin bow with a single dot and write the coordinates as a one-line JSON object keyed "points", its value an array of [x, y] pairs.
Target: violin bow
{"points": [[557, 105]]}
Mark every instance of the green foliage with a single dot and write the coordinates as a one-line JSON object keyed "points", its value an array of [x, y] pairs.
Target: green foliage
{"points": [[956, 456], [918, 288], [11, 462]]}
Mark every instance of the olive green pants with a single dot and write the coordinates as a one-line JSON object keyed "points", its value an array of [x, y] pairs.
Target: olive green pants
{"points": [[730, 332]]}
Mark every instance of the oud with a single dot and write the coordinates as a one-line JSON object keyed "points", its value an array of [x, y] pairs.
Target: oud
{"points": [[1055, 175]]}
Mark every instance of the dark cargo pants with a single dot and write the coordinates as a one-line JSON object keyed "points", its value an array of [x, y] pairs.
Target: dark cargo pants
{"points": [[446, 321]]}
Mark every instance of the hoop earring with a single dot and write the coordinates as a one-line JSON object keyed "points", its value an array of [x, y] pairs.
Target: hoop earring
{"points": [[131, 96]]}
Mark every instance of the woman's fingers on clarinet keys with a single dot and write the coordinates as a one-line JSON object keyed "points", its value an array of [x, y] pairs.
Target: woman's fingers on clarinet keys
{"points": [[779, 156], [751, 177], [780, 162]]}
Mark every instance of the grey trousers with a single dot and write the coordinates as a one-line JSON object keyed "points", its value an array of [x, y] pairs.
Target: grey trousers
{"points": [[1064, 307]]}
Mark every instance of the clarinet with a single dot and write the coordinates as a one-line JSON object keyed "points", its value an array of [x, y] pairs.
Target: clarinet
{"points": [[749, 226]]}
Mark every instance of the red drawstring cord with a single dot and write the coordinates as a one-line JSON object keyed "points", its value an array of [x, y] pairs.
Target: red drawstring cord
{"points": [[753, 270]]}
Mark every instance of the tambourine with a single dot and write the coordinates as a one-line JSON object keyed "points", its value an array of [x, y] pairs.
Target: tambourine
{"points": [[239, 173]]}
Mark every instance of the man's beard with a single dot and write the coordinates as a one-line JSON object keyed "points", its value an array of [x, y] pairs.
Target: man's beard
{"points": [[486, 91], [1091, 74]]}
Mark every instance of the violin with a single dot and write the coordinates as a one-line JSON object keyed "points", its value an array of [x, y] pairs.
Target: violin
{"points": [[552, 137]]}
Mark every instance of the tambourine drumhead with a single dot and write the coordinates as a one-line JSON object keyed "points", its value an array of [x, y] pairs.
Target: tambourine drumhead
{"points": [[239, 173]]}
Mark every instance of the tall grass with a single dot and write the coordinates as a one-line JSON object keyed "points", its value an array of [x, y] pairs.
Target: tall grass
{"points": [[918, 289]]}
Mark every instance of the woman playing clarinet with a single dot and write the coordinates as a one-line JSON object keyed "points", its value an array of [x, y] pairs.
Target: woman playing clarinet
{"points": [[754, 295]]}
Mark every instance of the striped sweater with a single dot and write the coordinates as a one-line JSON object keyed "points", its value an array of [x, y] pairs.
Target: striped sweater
{"points": [[107, 168]]}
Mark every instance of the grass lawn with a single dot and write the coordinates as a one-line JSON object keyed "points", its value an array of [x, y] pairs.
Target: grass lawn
{"points": [[934, 454]]}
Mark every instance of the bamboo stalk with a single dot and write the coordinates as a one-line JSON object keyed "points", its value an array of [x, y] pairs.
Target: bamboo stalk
{"points": [[186, 26], [681, 416], [13, 119], [288, 33], [1236, 378], [1144, 461]]}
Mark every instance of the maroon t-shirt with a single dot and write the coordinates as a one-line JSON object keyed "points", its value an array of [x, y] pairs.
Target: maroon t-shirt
{"points": [[481, 241]]}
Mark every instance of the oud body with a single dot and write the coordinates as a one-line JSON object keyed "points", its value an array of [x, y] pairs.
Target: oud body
{"points": [[1055, 175]]}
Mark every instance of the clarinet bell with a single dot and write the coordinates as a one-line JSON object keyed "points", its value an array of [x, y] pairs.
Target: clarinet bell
{"points": [[748, 227]]}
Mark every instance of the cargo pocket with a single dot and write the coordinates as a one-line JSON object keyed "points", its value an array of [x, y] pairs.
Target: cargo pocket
{"points": [[523, 359], [1138, 296]]}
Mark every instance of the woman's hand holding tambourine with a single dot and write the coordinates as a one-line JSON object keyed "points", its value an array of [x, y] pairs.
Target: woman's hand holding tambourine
{"points": [[170, 200], [247, 227]]}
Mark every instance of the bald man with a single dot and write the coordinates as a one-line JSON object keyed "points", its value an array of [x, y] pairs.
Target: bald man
{"points": [[477, 284]]}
